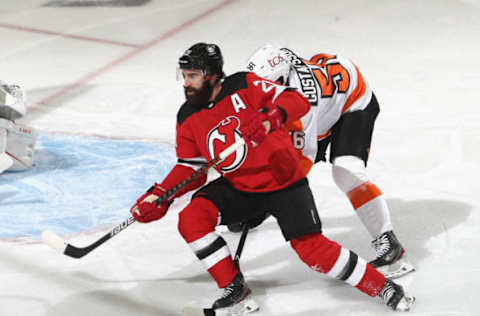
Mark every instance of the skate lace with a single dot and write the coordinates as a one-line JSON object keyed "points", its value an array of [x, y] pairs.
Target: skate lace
{"points": [[381, 245], [228, 290], [387, 293]]}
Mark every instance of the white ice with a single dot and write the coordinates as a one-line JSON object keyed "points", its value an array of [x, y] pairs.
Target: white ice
{"points": [[420, 56]]}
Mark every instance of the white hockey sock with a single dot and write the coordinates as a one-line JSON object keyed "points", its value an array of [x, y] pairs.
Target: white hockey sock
{"points": [[350, 175], [375, 216]]}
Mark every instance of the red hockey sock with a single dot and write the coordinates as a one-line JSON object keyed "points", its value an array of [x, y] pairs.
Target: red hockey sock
{"points": [[197, 219], [197, 226], [326, 256], [317, 251], [372, 281], [223, 272]]}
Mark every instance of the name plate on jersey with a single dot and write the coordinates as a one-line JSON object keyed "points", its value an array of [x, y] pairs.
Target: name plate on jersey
{"points": [[307, 79]]}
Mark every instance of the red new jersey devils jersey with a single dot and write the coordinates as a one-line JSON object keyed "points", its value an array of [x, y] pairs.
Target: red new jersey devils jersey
{"points": [[202, 133]]}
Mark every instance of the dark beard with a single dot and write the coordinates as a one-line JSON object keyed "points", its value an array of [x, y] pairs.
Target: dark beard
{"points": [[201, 96]]}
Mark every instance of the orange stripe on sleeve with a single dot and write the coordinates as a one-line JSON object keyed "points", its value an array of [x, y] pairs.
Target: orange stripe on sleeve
{"points": [[363, 194], [357, 93]]}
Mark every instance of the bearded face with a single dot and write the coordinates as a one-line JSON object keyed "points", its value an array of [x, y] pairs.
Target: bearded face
{"points": [[199, 96]]}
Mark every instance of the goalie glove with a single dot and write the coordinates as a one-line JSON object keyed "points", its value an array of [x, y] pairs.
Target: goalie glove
{"points": [[266, 121], [145, 210]]}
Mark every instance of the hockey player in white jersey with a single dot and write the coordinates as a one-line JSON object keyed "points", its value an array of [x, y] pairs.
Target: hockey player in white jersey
{"points": [[342, 116], [17, 141]]}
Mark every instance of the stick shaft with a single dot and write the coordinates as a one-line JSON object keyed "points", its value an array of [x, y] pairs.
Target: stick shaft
{"points": [[241, 243], [197, 174]]}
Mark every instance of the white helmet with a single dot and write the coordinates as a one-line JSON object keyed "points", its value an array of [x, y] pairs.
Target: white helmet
{"points": [[270, 62]]}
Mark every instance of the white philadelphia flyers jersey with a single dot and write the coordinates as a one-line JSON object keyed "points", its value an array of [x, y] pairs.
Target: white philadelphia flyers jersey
{"points": [[333, 85]]}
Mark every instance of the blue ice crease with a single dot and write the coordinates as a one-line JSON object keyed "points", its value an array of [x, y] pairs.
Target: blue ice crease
{"points": [[79, 183]]}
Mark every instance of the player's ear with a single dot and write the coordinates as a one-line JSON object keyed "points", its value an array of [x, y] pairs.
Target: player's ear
{"points": [[213, 78]]}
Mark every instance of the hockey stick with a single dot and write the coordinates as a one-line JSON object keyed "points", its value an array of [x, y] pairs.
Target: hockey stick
{"points": [[57, 243], [241, 243]]}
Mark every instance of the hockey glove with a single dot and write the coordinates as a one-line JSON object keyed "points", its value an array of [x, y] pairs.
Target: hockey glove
{"points": [[145, 210], [265, 122]]}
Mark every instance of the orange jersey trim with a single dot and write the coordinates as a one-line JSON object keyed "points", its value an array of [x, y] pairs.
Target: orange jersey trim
{"points": [[357, 93], [305, 164], [294, 126], [320, 137], [363, 194]]}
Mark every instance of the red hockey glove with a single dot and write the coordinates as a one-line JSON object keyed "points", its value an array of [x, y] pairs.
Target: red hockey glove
{"points": [[266, 121], [145, 210]]}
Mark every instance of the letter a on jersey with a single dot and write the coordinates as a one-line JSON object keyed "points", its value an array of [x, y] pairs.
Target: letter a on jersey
{"points": [[223, 135], [238, 103]]}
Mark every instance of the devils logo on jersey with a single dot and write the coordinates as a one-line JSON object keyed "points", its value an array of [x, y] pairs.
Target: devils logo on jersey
{"points": [[223, 135]]}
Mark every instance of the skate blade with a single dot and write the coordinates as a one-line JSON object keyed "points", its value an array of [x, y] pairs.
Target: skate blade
{"points": [[405, 303], [397, 269], [246, 306]]}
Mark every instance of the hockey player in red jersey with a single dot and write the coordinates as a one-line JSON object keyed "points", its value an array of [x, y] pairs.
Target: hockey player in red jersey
{"points": [[342, 116], [263, 175]]}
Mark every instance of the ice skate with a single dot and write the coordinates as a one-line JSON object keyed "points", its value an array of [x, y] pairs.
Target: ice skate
{"points": [[391, 259], [235, 301], [395, 297], [234, 293]]}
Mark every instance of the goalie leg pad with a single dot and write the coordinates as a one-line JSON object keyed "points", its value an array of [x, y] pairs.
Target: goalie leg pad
{"points": [[21, 142], [5, 160]]}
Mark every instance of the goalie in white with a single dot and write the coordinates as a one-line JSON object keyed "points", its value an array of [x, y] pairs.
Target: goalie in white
{"points": [[17, 141]]}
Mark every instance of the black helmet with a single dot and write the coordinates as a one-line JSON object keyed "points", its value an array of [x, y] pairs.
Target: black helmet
{"points": [[203, 56]]}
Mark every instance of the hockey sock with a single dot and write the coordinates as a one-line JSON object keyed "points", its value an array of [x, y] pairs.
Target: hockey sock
{"points": [[223, 271], [371, 207], [197, 224], [326, 256], [350, 175], [372, 282]]}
